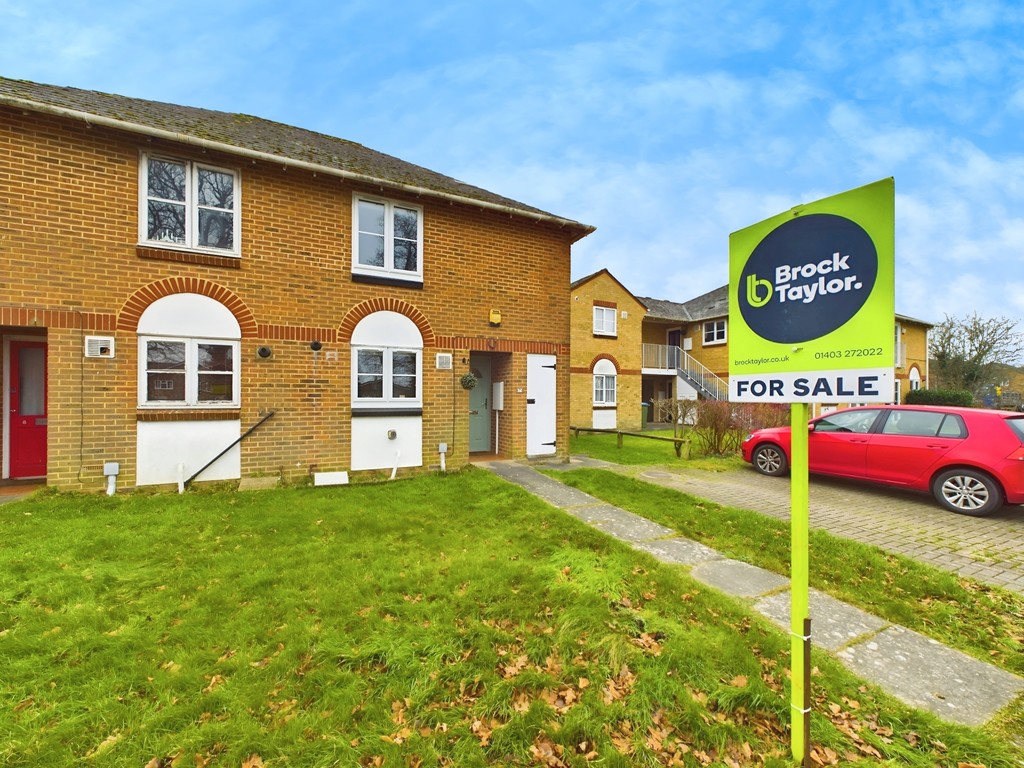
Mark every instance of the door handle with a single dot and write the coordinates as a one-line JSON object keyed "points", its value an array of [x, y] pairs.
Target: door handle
{"points": [[530, 400], [474, 413]]}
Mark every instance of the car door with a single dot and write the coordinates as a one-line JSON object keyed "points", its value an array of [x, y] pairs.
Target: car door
{"points": [[839, 442], [910, 443]]}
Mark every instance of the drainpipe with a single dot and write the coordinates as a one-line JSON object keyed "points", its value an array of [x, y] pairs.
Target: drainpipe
{"points": [[111, 469]]}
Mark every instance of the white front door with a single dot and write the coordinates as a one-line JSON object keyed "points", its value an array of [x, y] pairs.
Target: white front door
{"points": [[541, 422]]}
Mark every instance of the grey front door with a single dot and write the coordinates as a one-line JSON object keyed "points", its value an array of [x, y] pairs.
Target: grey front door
{"points": [[480, 405]]}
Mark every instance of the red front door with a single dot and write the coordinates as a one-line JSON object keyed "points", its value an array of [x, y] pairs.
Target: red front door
{"points": [[28, 409]]}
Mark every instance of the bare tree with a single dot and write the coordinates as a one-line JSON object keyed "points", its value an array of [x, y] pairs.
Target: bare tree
{"points": [[680, 413], [965, 350]]}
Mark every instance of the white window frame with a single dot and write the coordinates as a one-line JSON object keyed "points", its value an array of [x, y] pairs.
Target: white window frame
{"points": [[601, 388], [387, 399], [605, 321], [605, 374], [191, 205], [191, 401], [388, 270], [718, 332], [914, 377]]}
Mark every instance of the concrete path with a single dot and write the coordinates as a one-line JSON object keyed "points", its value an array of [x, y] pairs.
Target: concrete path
{"points": [[15, 491], [912, 668]]}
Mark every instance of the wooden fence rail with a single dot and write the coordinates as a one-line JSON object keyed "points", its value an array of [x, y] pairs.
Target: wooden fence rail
{"points": [[678, 442]]}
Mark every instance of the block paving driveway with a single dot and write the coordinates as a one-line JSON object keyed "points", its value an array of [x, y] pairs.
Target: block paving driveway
{"points": [[989, 549]]}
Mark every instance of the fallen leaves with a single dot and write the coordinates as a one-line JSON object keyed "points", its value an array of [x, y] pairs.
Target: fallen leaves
{"points": [[620, 686]]}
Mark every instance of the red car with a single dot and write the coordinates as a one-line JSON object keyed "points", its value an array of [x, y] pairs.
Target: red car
{"points": [[970, 459]]}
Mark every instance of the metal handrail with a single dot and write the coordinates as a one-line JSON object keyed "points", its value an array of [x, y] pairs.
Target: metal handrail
{"points": [[667, 357], [212, 461]]}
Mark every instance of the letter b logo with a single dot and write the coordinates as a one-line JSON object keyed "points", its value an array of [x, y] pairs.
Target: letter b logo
{"points": [[753, 284]]}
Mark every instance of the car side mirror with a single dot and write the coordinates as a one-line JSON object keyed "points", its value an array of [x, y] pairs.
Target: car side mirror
{"points": [[810, 426]]}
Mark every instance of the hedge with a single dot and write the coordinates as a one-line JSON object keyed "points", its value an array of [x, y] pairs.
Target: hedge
{"points": [[960, 397]]}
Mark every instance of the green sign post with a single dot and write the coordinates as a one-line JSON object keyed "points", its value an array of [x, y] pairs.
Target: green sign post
{"points": [[811, 318]]}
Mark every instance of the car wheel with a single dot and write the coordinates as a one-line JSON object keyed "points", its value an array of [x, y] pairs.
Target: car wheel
{"points": [[968, 492], [769, 459]]}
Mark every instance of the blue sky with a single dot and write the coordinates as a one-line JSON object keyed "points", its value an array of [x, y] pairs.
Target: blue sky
{"points": [[665, 124]]}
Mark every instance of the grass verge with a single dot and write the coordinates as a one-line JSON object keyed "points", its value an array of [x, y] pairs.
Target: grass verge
{"points": [[446, 620], [639, 451], [981, 620]]}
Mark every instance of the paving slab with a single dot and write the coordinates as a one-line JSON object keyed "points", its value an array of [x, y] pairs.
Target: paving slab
{"points": [[678, 551], [258, 483], [597, 512], [926, 674], [738, 578], [552, 491], [834, 623], [633, 528]]}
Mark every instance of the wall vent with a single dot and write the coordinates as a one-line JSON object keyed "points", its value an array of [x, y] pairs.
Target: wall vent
{"points": [[99, 346], [444, 361]]}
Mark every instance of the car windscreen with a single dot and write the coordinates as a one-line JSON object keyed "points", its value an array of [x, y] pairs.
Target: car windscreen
{"points": [[1017, 425]]}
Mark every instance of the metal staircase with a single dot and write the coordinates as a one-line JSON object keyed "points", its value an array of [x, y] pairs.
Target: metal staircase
{"points": [[703, 380], [667, 358]]}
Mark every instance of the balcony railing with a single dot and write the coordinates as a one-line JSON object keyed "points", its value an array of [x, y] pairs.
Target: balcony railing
{"points": [[663, 357]]}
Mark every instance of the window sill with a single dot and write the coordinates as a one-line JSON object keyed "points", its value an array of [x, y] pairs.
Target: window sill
{"points": [[714, 343], [605, 407], [415, 283], [606, 335], [187, 414], [386, 411], [185, 256]]}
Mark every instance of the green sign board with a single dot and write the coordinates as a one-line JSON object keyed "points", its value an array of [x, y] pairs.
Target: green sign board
{"points": [[811, 302]]}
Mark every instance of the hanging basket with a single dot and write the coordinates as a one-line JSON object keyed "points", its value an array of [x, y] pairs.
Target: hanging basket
{"points": [[468, 381]]}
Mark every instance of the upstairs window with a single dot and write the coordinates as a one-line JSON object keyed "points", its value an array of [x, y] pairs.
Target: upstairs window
{"points": [[388, 240], [714, 332], [188, 205], [604, 321]]}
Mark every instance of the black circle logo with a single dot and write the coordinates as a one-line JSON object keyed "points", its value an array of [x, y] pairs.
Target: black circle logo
{"points": [[807, 277]]}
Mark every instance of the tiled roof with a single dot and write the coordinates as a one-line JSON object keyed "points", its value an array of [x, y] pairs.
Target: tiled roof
{"points": [[256, 137], [711, 304], [659, 309]]}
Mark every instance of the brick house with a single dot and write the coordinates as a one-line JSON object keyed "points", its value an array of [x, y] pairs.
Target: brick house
{"points": [[685, 347], [172, 276], [605, 359]]}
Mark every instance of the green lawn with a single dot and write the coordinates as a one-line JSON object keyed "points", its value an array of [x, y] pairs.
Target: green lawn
{"points": [[448, 620], [643, 451]]}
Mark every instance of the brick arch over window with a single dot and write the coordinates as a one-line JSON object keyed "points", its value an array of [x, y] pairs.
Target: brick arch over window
{"points": [[605, 356], [365, 308], [131, 311]]}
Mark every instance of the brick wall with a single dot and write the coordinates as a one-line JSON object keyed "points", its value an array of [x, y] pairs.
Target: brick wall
{"points": [[71, 265], [915, 339], [713, 356]]}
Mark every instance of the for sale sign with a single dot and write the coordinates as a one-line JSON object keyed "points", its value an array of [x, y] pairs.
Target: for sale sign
{"points": [[811, 302]]}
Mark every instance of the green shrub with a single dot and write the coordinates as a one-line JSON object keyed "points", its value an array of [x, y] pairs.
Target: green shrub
{"points": [[960, 397]]}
